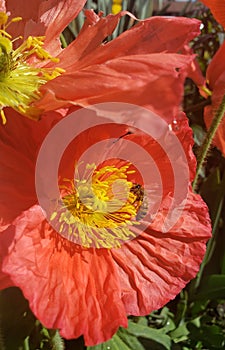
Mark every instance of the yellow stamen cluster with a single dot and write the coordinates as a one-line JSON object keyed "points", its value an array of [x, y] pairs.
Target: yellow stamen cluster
{"points": [[98, 210], [19, 79]]}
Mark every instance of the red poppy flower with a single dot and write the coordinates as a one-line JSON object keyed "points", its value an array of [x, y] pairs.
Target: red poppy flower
{"points": [[218, 9], [215, 77], [135, 67], [116, 262], [24, 61], [120, 70]]}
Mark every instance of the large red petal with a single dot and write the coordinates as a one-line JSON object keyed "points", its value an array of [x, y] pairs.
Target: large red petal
{"points": [[216, 67], [17, 167], [146, 37], [20, 139], [73, 289], [216, 77], [121, 69], [145, 80]]}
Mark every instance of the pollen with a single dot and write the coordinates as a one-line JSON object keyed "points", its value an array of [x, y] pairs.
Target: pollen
{"points": [[20, 72], [99, 209]]}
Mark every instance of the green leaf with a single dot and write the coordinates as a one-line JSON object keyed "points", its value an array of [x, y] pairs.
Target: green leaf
{"points": [[180, 333], [169, 326], [196, 322], [211, 336], [213, 287], [223, 264], [131, 341], [116, 343], [126, 338], [142, 321], [96, 347], [149, 333]]}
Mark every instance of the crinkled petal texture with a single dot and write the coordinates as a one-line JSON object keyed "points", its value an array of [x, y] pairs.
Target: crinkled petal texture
{"points": [[162, 263], [39, 18], [218, 9], [216, 78], [76, 290], [90, 291], [141, 65], [17, 175]]}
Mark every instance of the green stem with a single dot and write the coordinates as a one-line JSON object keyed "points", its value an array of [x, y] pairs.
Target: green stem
{"points": [[63, 41], [208, 140], [26, 344]]}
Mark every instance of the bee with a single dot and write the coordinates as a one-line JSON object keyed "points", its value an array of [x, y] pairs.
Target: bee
{"points": [[138, 191], [140, 201], [143, 210]]}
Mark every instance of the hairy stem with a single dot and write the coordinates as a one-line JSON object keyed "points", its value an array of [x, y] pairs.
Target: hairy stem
{"points": [[208, 140]]}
